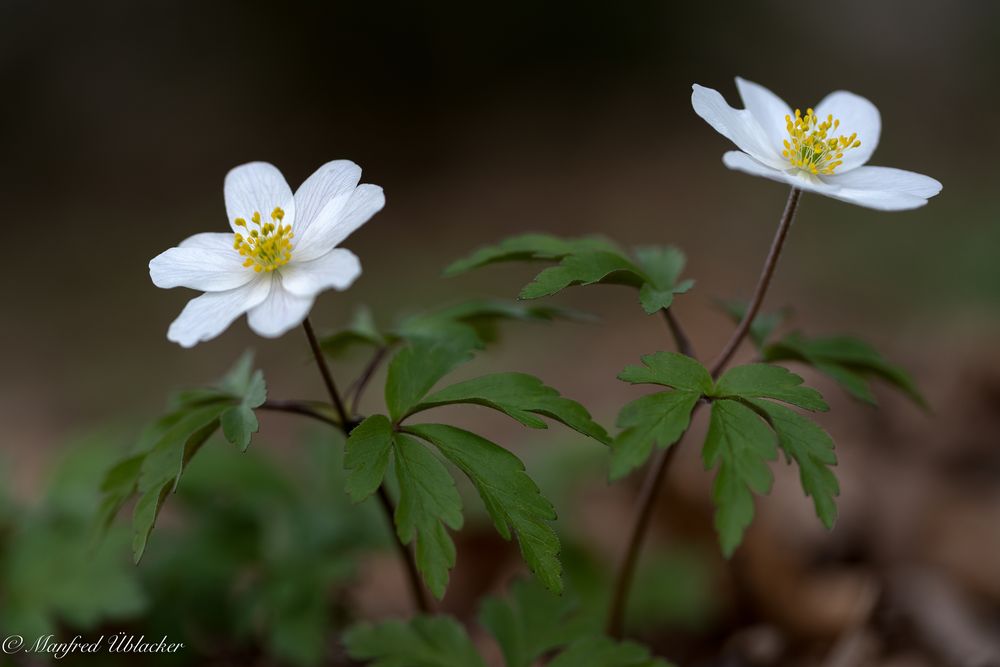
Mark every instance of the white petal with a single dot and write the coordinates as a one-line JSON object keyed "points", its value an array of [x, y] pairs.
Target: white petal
{"points": [[334, 181], [204, 262], [337, 269], [280, 311], [795, 177], [856, 114], [884, 188], [209, 241], [880, 188], [257, 187], [739, 126], [337, 221], [769, 109], [208, 315]]}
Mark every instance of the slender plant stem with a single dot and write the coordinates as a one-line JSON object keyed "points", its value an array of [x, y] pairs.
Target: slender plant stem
{"points": [[770, 264], [357, 389], [680, 338], [299, 408], [347, 425], [417, 590], [324, 370], [626, 569], [654, 478]]}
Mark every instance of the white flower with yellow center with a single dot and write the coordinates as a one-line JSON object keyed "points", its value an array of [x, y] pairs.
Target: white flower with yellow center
{"points": [[823, 150], [282, 251]]}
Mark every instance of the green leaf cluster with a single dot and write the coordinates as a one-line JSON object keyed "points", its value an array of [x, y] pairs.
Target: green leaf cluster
{"points": [[166, 447], [471, 324], [850, 362], [530, 625], [748, 424], [653, 270], [429, 503], [52, 575]]}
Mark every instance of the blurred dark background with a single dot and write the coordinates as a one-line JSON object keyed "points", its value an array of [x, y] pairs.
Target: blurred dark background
{"points": [[484, 120]]}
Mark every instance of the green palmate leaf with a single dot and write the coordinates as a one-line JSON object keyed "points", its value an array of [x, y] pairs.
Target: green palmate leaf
{"points": [[163, 466], [670, 369], [662, 266], [740, 444], [119, 484], [654, 273], [585, 269], [416, 368], [510, 496], [165, 447], [244, 390], [657, 419], [361, 331], [366, 456], [762, 326], [812, 449], [528, 247], [767, 381], [239, 422], [604, 652], [424, 641], [531, 622], [428, 501], [520, 396], [848, 361]]}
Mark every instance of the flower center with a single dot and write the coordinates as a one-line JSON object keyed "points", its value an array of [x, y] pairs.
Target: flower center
{"points": [[809, 146], [267, 245]]}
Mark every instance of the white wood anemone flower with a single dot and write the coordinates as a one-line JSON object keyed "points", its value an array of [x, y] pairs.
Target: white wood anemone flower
{"points": [[281, 253], [822, 151]]}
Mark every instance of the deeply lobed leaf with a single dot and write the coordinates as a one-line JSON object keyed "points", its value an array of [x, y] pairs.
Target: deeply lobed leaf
{"points": [[512, 499], [655, 419], [588, 261], [812, 449], [848, 361], [670, 369], [366, 456], [597, 651], [740, 444], [531, 622], [428, 502], [585, 269], [768, 381], [416, 368], [528, 247], [424, 641], [520, 396]]}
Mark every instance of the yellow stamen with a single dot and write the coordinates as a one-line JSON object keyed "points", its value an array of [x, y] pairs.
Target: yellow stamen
{"points": [[267, 247], [810, 149]]}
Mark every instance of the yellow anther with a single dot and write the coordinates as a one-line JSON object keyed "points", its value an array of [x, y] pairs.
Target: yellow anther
{"points": [[809, 147], [269, 246]]}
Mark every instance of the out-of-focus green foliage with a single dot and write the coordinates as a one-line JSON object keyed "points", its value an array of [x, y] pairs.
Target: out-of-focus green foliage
{"points": [[653, 270], [744, 431], [529, 625], [166, 447], [51, 572], [850, 362], [429, 503], [473, 324], [255, 556]]}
